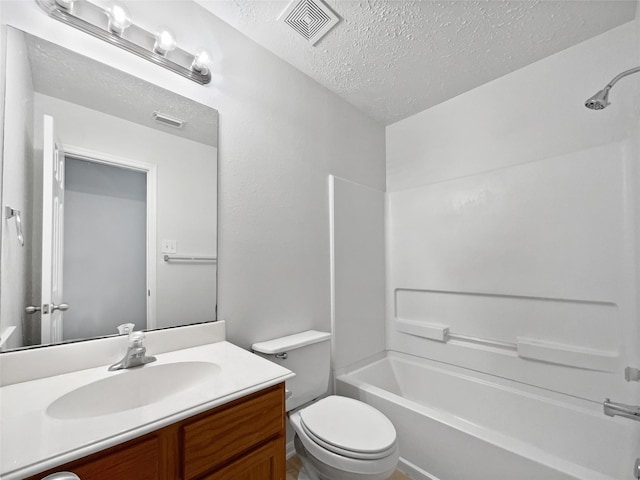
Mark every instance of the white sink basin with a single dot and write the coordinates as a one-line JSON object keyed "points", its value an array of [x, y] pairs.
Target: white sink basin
{"points": [[133, 388]]}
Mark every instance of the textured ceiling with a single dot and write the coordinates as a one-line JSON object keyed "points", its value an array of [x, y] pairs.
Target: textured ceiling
{"points": [[61, 73], [394, 58]]}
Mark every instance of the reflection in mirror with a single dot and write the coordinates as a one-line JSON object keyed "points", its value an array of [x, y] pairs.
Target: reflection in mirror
{"points": [[111, 184]]}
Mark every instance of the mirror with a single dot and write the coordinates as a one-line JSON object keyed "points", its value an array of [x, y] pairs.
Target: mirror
{"points": [[109, 201]]}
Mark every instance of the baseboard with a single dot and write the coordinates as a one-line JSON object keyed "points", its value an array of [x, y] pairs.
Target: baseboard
{"points": [[290, 449], [413, 471]]}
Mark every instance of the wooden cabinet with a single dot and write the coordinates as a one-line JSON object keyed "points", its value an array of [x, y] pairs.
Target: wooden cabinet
{"points": [[264, 463], [241, 440], [212, 440]]}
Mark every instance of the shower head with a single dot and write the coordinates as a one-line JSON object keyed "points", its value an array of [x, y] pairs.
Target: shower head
{"points": [[600, 100]]}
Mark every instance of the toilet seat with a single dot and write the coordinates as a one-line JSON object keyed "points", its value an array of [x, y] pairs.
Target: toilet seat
{"points": [[349, 428], [331, 464]]}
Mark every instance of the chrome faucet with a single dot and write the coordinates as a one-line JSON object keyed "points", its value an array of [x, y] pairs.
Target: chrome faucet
{"points": [[136, 354]]}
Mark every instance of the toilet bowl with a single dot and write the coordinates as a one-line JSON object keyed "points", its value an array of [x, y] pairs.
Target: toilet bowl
{"points": [[337, 438]]}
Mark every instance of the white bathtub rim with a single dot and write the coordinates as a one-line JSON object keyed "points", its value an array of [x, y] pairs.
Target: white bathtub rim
{"points": [[585, 406], [365, 362], [557, 399], [582, 406], [497, 439], [414, 471]]}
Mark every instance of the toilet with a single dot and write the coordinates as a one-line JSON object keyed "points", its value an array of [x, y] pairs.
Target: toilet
{"points": [[337, 438]]}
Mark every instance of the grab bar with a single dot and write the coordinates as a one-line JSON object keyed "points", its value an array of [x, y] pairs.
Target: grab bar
{"points": [[611, 409], [190, 258], [13, 213], [484, 341]]}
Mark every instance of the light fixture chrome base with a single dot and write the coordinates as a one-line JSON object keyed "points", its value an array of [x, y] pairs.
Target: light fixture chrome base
{"points": [[93, 19]]}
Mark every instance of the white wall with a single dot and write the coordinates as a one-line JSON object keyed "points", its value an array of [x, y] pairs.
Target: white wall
{"points": [[512, 217], [15, 292], [186, 199], [3, 68], [281, 135]]}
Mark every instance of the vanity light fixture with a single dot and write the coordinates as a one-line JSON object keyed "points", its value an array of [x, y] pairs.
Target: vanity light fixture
{"points": [[165, 41], [119, 18], [201, 62], [114, 25]]}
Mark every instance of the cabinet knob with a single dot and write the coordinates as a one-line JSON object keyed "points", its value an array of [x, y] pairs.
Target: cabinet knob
{"points": [[62, 476]]}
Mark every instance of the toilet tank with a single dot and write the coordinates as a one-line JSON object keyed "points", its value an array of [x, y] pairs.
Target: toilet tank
{"points": [[308, 355]]}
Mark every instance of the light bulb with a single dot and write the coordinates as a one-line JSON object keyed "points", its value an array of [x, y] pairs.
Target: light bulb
{"points": [[119, 18], [165, 41], [201, 61]]}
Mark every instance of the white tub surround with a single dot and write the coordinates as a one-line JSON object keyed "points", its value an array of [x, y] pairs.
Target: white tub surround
{"points": [[456, 423], [512, 226], [32, 440]]}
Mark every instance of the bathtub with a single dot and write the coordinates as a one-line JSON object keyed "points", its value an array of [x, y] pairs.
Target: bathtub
{"points": [[456, 424]]}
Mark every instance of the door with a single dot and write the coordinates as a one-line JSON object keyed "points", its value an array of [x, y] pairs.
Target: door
{"points": [[105, 211], [51, 301]]}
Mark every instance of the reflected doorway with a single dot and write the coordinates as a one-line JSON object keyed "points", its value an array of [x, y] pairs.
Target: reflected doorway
{"points": [[106, 255]]}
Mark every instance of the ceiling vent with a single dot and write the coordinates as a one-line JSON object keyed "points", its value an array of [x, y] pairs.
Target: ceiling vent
{"points": [[312, 19]]}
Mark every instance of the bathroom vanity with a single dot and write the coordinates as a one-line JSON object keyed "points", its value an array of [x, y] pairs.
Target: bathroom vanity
{"points": [[213, 411], [244, 439]]}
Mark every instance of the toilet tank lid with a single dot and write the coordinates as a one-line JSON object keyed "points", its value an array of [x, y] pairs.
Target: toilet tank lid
{"points": [[290, 342]]}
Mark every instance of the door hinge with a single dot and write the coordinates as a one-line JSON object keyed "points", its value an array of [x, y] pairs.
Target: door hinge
{"points": [[632, 374]]}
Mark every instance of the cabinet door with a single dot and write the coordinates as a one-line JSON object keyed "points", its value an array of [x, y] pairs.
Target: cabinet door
{"points": [[213, 440], [136, 462], [264, 463]]}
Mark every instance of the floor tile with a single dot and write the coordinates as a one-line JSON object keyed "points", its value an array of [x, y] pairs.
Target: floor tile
{"points": [[294, 465]]}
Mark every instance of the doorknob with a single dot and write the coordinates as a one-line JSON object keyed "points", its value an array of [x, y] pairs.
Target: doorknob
{"points": [[63, 307]]}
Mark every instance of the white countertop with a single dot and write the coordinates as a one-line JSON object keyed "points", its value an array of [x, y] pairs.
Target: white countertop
{"points": [[31, 441]]}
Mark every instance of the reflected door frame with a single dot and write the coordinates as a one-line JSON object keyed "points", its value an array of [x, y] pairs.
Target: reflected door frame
{"points": [[53, 185], [151, 173]]}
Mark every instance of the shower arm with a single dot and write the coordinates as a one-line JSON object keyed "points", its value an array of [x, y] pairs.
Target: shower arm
{"points": [[620, 76], [601, 99]]}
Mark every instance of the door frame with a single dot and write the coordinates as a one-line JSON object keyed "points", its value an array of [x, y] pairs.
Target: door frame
{"points": [[151, 172], [51, 273]]}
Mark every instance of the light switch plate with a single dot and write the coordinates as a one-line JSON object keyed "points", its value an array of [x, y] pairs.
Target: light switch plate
{"points": [[169, 246]]}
